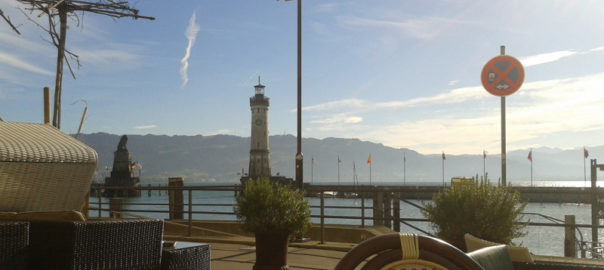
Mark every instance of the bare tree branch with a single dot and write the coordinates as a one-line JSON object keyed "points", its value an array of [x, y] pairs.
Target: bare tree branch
{"points": [[62, 9], [7, 19]]}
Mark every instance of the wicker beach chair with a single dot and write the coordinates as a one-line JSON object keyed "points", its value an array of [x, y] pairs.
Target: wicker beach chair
{"points": [[406, 251], [96, 245], [42, 168], [14, 240]]}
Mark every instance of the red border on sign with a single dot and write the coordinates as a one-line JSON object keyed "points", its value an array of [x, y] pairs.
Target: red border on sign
{"points": [[514, 86]]}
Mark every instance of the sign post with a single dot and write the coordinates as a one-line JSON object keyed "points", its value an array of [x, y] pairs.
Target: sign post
{"points": [[502, 76]]}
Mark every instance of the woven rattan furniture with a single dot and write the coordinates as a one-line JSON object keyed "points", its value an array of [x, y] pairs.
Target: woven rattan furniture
{"points": [[42, 168], [186, 256], [14, 239], [406, 251], [96, 245]]}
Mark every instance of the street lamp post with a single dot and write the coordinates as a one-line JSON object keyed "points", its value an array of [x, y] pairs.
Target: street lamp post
{"points": [[299, 156]]}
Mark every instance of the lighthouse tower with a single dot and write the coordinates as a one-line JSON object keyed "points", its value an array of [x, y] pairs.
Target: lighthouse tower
{"points": [[259, 150]]}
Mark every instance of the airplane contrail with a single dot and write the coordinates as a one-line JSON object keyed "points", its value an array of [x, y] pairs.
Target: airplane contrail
{"points": [[191, 34]]}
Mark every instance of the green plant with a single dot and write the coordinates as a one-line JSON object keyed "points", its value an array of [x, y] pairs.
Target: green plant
{"points": [[489, 212], [265, 207]]}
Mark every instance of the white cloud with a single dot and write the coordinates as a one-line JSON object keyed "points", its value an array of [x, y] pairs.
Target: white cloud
{"points": [[545, 58], [221, 132], [598, 49], [539, 109], [114, 58], [322, 8], [335, 105], [146, 127], [425, 28], [23, 65], [454, 96], [191, 34], [24, 44], [453, 82], [345, 124]]}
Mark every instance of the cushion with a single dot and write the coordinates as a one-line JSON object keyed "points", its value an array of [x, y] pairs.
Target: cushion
{"points": [[7, 215], [44, 216], [517, 254], [493, 258]]}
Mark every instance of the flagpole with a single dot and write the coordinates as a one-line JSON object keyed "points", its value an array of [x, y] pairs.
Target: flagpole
{"points": [[369, 161], [484, 165], [531, 173], [585, 155], [404, 168], [443, 172], [312, 170], [354, 173], [531, 167], [443, 168], [584, 173], [339, 169]]}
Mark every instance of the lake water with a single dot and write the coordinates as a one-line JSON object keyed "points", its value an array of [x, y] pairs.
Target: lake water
{"points": [[540, 240]]}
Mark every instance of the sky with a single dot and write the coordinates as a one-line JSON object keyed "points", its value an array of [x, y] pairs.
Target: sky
{"points": [[402, 73]]}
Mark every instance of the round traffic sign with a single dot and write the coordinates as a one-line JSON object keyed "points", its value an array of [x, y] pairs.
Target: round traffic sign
{"points": [[502, 75]]}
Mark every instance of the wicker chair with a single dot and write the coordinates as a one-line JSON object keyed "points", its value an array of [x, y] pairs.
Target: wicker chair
{"points": [[406, 251], [103, 244], [43, 169], [14, 239]]}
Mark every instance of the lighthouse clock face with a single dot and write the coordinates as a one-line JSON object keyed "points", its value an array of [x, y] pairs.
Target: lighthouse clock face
{"points": [[258, 122]]}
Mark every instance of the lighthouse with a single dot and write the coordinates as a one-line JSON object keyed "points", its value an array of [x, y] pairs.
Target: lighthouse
{"points": [[259, 150]]}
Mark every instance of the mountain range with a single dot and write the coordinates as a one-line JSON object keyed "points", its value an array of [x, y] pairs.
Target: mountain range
{"points": [[222, 158]]}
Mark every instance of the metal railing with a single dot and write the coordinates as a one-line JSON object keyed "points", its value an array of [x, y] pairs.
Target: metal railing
{"points": [[596, 250]]}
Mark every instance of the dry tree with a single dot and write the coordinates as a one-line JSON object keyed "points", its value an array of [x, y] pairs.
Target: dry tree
{"points": [[57, 12]]}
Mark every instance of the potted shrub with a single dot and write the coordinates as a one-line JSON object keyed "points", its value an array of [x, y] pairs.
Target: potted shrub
{"points": [[272, 212], [489, 212]]}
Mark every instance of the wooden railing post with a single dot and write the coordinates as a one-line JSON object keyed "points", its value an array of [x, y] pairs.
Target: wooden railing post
{"points": [[176, 200], [387, 210], [378, 211], [115, 207], [570, 240], [362, 211], [190, 215], [322, 218], [396, 212], [98, 195]]}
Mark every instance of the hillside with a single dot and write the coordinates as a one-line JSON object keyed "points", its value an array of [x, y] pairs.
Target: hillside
{"points": [[222, 157]]}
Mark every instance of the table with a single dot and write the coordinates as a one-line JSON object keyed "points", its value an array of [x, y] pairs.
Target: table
{"points": [[186, 256]]}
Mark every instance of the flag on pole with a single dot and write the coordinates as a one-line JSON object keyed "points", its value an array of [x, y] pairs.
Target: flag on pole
{"points": [[530, 155], [339, 160], [404, 157], [484, 154], [313, 161], [444, 158], [585, 153], [369, 159]]}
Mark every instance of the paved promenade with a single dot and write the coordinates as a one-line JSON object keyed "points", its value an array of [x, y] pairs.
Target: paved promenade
{"points": [[238, 252], [240, 256]]}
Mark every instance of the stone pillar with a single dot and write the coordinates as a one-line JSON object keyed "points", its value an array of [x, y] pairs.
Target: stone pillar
{"points": [[176, 199]]}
